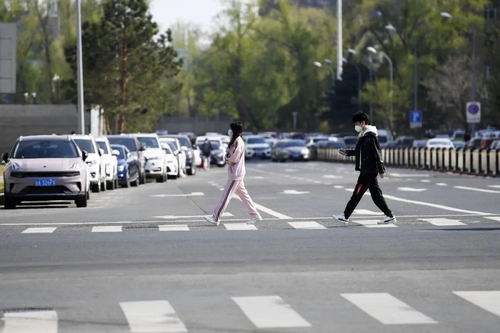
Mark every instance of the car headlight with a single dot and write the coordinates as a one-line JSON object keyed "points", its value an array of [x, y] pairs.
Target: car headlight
{"points": [[121, 167], [305, 151], [91, 163], [15, 166]]}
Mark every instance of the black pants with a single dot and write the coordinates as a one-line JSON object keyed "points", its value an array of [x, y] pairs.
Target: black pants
{"points": [[367, 181]]}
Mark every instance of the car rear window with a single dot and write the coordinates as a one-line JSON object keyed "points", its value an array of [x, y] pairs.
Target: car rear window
{"points": [[127, 142], [103, 146], [45, 149], [256, 140]]}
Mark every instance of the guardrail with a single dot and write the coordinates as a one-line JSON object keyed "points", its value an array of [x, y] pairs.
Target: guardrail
{"points": [[466, 161]]}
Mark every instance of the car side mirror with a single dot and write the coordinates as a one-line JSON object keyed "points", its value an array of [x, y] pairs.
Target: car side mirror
{"points": [[142, 148], [116, 152], [195, 147], [101, 152], [85, 155], [5, 157]]}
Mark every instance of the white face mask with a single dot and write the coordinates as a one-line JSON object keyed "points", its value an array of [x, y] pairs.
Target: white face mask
{"points": [[358, 128], [229, 132]]}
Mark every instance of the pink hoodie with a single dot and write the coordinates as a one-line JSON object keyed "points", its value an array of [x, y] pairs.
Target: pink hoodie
{"points": [[236, 154]]}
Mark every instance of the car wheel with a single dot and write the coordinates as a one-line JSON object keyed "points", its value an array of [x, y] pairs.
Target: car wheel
{"points": [[136, 182], [96, 188], [103, 186], [81, 202], [110, 185], [9, 203], [162, 179]]}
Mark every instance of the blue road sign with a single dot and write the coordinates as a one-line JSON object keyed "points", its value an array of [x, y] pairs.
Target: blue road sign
{"points": [[416, 119]]}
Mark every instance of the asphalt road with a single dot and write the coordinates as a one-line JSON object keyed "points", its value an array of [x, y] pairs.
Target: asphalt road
{"points": [[144, 260]]}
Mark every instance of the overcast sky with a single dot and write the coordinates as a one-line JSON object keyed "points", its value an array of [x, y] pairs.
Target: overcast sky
{"points": [[201, 12]]}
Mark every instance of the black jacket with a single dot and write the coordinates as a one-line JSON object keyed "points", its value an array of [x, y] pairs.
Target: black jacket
{"points": [[368, 154]]}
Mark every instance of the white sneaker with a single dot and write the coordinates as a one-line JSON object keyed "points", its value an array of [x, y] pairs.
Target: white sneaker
{"points": [[387, 219], [254, 220], [211, 219], [341, 218]]}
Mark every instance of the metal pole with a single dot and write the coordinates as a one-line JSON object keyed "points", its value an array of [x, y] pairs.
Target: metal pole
{"points": [[392, 75], [340, 57], [371, 103], [415, 77], [474, 75], [79, 60]]}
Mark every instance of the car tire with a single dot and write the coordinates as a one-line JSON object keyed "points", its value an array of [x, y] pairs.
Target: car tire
{"points": [[9, 203], [135, 183], [162, 179], [81, 202], [103, 186], [192, 170], [96, 188], [110, 185]]}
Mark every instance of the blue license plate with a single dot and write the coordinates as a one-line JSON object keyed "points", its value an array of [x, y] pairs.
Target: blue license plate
{"points": [[45, 182]]}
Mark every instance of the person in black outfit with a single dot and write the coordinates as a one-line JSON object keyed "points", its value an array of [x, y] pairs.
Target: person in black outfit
{"points": [[206, 151], [370, 165]]}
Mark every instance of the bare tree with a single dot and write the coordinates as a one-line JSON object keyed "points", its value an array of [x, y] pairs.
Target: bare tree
{"points": [[449, 88]]}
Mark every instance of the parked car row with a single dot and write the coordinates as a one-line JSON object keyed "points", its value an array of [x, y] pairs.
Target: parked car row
{"points": [[69, 167]]}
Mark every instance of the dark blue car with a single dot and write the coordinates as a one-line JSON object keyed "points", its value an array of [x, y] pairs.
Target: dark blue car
{"points": [[128, 167]]}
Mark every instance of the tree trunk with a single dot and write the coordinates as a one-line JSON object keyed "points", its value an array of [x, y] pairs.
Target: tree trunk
{"points": [[47, 42]]}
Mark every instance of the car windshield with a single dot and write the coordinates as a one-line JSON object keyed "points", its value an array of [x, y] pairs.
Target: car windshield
{"points": [[121, 151], [172, 145], [256, 140], [103, 146], [184, 141], [149, 142], [127, 142], [215, 145], [294, 143], [45, 149], [85, 144]]}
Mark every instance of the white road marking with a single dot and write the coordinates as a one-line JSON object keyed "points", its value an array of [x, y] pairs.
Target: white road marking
{"points": [[487, 300], [387, 309], [332, 177], [43, 321], [413, 175], [476, 189], [428, 204], [443, 222], [366, 212], [294, 192], [425, 181], [339, 186], [494, 186], [112, 228], [317, 182], [494, 218], [181, 227], [171, 217], [290, 170], [411, 189], [194, 194], [46, 230], [255, 177], [152, 316], [270, 312], [239, 226], [374, 224], [306, 225], [268, 211], [441, 184]]}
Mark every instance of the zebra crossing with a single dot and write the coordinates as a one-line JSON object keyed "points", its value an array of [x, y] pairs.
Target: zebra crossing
{"points": [[261, 312]]}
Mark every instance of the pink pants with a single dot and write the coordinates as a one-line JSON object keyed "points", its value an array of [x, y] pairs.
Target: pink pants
{"points": [[238, 187]]}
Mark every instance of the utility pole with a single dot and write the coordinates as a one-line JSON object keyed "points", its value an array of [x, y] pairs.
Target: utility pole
{"points": [[79, 60]]}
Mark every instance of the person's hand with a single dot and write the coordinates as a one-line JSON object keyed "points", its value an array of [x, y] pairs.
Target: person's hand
{"points": [[231, 163], [342, 151], [382, 175]]}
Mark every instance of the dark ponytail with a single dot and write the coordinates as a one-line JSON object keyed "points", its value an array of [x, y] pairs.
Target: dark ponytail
{"points": [[237, 129]]}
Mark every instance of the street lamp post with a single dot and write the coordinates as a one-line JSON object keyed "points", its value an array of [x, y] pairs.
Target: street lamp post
{"points": [[56, 79], [79, 60], [474, 74], [359, 80], [332, 72], [374, 51]]}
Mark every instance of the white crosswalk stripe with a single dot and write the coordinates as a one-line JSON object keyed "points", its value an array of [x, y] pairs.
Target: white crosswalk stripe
{"points": [[43, 321], [374, 224], [306, 225], [487, 300], [239, 226], [41, 230], [113, 228], [180, 227], [152, 316], [443, 222], [388, 309], [270, 312]]}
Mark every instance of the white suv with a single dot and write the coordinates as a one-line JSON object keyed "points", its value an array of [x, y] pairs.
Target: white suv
{"points": [[256, 146], [110, 162], [94, 161], [156, 160]]}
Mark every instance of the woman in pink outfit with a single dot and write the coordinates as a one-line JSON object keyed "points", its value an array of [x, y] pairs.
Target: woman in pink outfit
{"points": [[235, 158]]}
